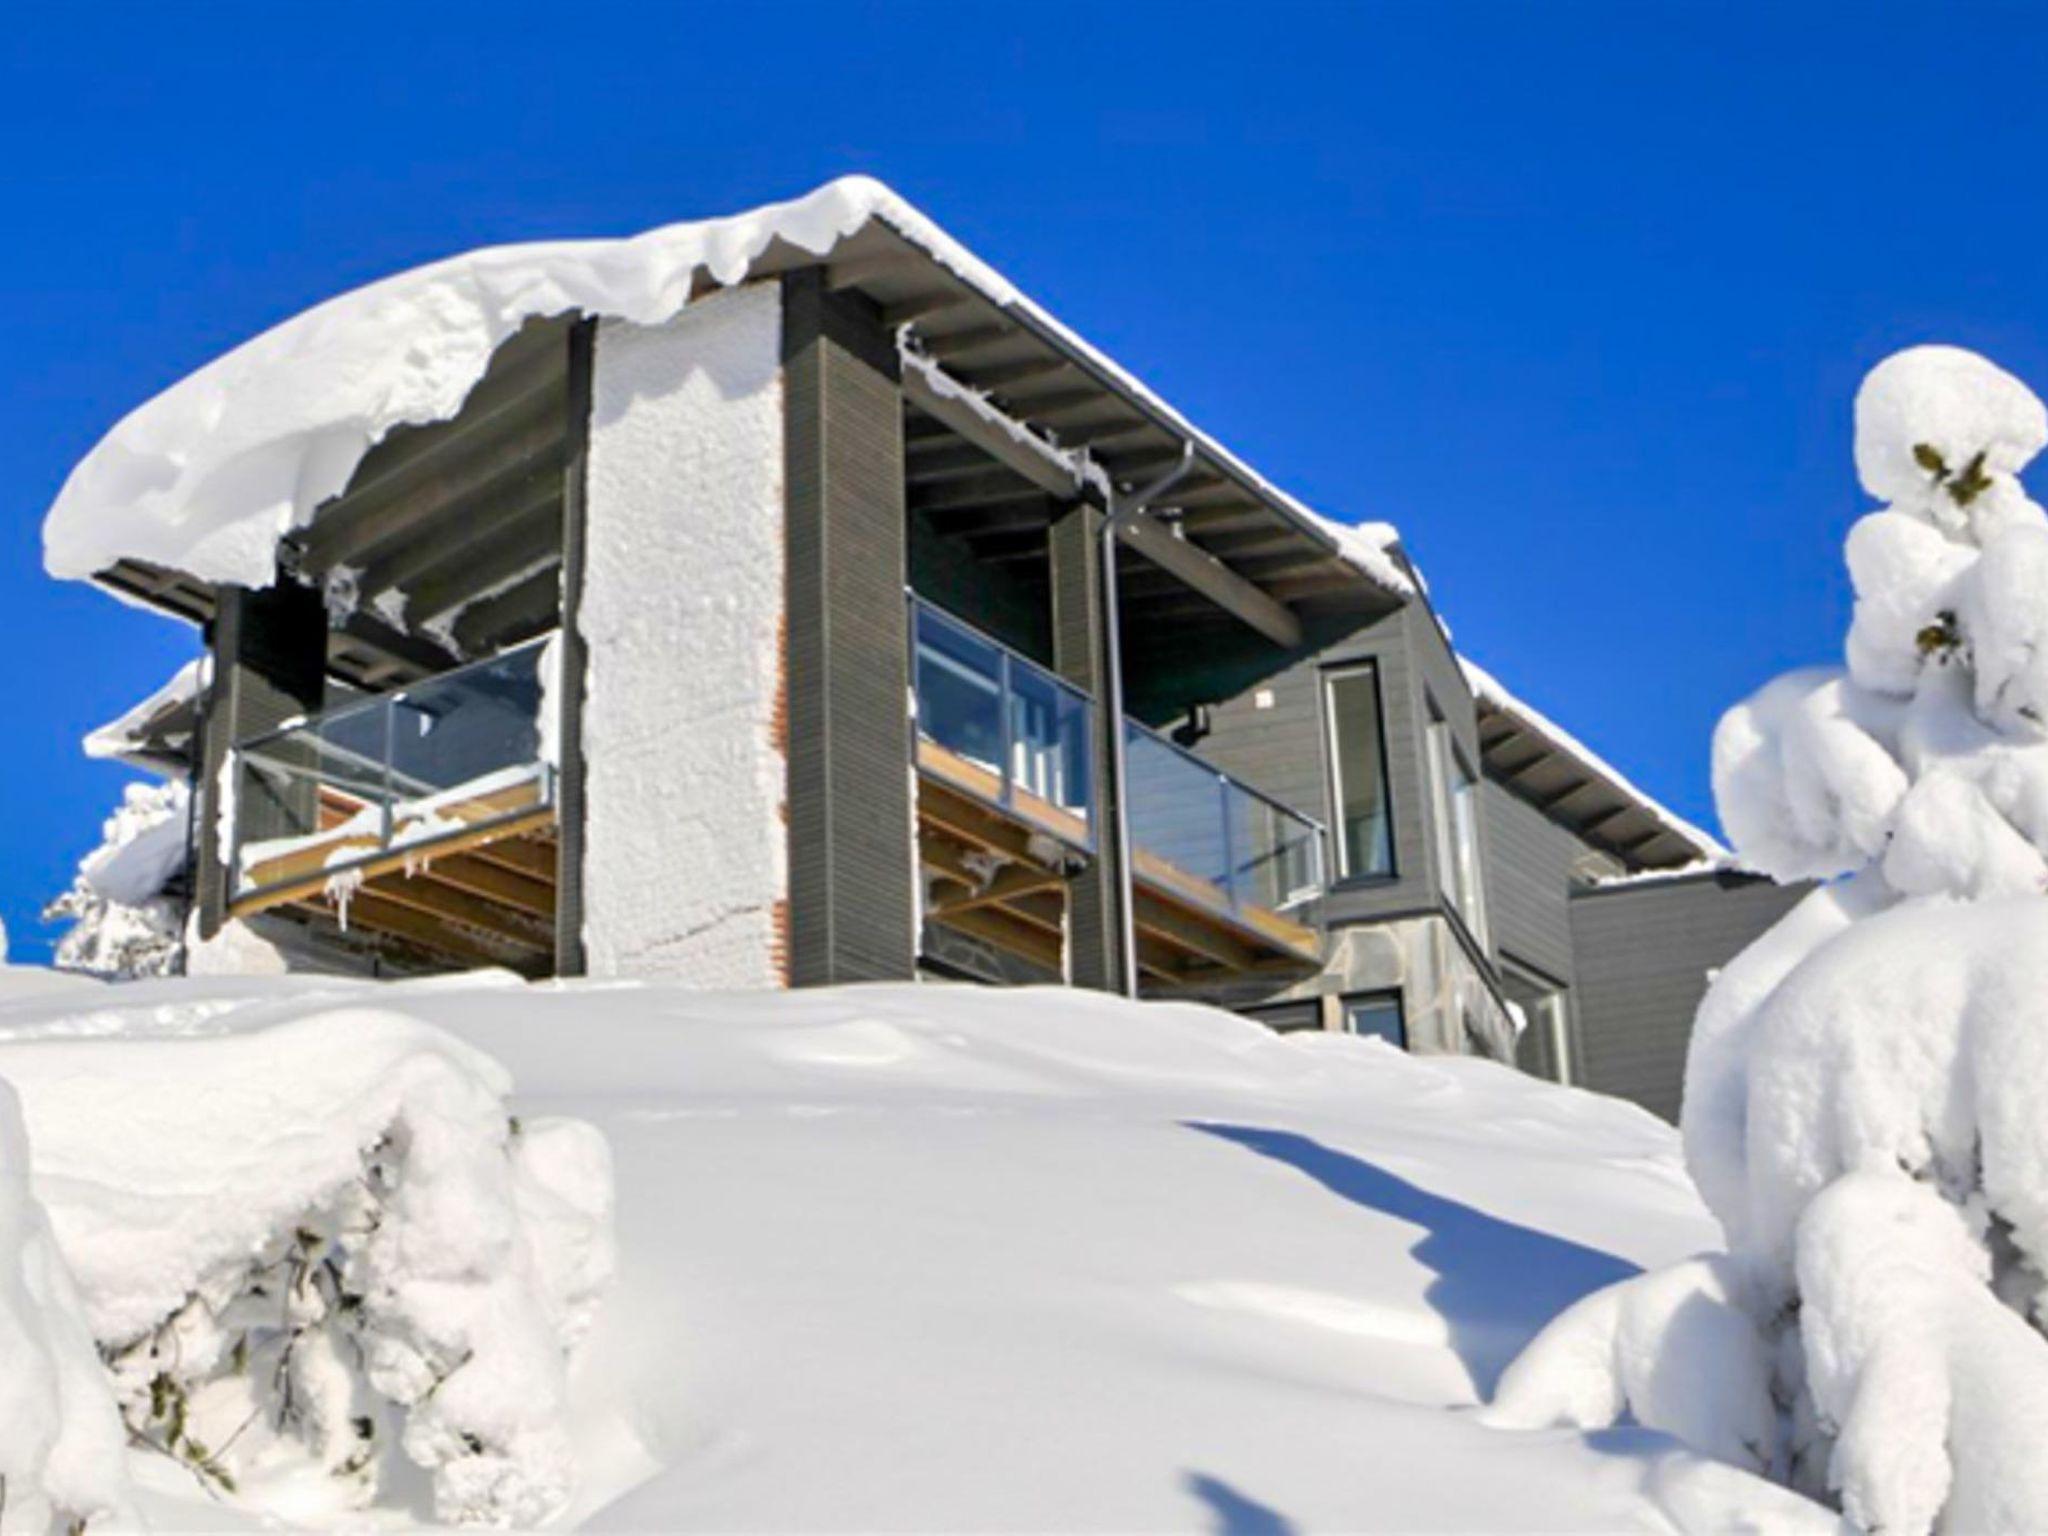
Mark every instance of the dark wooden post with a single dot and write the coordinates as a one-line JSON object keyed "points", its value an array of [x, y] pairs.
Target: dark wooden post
{"points": [[1094, 948], [269, 656], [572, 661], [852, 847]]}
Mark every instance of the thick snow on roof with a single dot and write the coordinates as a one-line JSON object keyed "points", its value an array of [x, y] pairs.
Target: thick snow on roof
{"points": [[1491, 691], [206, 477], [129, 733], [930, 1258]]}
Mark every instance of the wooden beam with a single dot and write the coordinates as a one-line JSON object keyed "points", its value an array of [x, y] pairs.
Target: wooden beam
{"points": [[423, 893], [376, 915], [494, 882], [1007, 932], [939, 395], [1008, 884], [1153, 538]]}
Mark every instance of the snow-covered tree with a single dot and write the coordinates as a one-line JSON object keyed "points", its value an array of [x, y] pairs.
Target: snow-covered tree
{"points": [[1866, 1101], [122, 925]]}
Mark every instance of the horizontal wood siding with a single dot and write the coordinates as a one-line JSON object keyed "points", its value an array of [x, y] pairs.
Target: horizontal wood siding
{"points": [[1641, 956], [852, 862], [1529, 862]]}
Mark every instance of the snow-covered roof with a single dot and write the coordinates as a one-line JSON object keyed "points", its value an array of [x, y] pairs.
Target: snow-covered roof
{"points": [[155, 733], [208, 476], [1492, 695]]}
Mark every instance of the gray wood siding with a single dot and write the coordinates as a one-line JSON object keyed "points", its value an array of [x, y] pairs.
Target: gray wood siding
{"points": [[852, 863], [1642, 954], [1529, 861]]}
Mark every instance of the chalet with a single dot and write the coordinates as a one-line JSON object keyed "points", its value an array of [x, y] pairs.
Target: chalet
{"points": [[787, 600]]}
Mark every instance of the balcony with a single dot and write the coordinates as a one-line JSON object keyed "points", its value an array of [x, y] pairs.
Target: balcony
{"points": [[1007, 805], [426, 815]]}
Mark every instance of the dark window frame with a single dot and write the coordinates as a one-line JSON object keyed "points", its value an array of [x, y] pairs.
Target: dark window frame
{"points": [[1381, 997], [1327, 678]]}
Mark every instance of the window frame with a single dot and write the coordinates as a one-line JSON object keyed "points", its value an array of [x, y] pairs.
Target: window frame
{"points": [[1458, 838], [1381, 996], [1330, 676]]}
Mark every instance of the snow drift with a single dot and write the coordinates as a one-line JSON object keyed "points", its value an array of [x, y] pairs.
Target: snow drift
{"points": [[1866, 1103], [914, 1257]]}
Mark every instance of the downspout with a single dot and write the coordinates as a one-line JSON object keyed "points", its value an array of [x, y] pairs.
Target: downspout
{"points": [[1124, 510]]}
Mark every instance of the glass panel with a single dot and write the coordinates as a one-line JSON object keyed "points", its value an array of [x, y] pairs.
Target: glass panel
{"points": [[1020, 736], [1048, 740], [453, 752], [959, 691], [1365, 842], [1379, 1014], [456, 730], [1177, 812], [1275, 855]]}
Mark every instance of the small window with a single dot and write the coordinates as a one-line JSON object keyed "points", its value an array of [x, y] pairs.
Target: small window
{"points": [[1358, 772], [1377, 1013], [1543, 1049], [1454, 797]]}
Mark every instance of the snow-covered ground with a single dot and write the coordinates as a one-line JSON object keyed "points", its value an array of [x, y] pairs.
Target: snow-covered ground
{"points": [[926, 1258]]}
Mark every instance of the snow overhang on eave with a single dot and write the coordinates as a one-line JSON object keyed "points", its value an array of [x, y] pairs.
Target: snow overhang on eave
{"points": [[199, 485], [1534, 758]]}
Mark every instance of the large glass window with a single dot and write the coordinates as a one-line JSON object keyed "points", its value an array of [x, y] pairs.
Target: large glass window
{"points": [[1358, 768], [1454, 792], [1376, 1013]]}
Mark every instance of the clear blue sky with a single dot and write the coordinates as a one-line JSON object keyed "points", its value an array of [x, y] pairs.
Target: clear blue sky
{"points": [[1577, 295]]}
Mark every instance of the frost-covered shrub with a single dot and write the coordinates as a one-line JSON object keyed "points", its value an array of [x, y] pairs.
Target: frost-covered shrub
{"points": [[122, 925], [1866, 1100], [319, 1254]]}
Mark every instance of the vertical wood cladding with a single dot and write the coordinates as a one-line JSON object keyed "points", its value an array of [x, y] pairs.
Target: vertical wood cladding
{"points": [[269, 651], [852, 855], [1094, 941]]}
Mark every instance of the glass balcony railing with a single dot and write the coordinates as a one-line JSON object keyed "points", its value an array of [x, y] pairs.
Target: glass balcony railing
{"points": [[1002, 728], [1013, 735], [1208, 836], [457, 753]]}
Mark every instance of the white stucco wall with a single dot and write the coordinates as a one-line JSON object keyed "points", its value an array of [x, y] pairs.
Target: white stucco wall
{"points": [[685, 861]]}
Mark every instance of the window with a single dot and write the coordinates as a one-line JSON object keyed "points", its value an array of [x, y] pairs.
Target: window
{"points": [[1358, 771], [1454, 797], [1376, 1013], [1544, 1047]]}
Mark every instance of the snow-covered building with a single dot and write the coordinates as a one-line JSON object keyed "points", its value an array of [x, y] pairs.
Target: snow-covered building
{"points": [[786, 599]]}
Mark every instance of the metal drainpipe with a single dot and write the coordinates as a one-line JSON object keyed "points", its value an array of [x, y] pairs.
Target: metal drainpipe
{"points": [[1123, 509]]}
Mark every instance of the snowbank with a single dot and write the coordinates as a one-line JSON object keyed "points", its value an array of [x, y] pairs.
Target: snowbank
{"points": [[937, 1258]]}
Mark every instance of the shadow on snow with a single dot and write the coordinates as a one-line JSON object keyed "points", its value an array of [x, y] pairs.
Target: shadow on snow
{"points": [[1496, 1283]]}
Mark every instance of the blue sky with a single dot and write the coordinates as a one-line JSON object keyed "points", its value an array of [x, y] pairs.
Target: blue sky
{"points": [[1577, 295]]}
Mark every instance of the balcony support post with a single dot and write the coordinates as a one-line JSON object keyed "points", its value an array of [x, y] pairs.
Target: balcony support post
{"points": [[268, 654]]}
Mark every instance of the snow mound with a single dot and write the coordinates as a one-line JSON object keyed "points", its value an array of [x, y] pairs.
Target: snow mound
{"points": [[931, 1258], [305, 1242]]}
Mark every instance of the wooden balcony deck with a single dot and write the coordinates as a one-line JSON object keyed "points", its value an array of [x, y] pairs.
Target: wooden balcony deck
{"points": [[469, 882], [999, 874]]}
